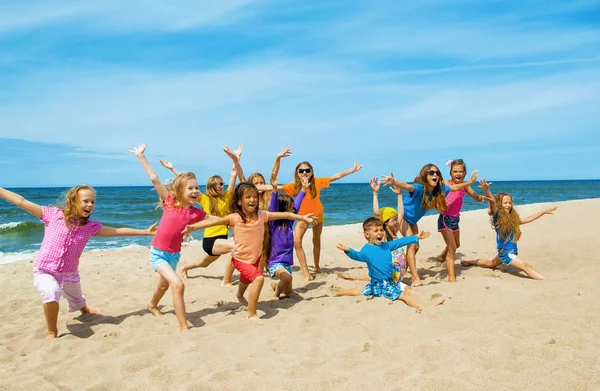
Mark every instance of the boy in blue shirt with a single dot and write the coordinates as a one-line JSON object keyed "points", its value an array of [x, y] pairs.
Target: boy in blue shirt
{"points": [[377, 254]]}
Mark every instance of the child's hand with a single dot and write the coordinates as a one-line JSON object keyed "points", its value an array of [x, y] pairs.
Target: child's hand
{"points": [[305, 183], [231, 154], [484, 198], [309, 218], [152, 229], [187, 233], [388, 180], [423, 235], [551, 210], [238, 152], [285, 152], [474, 177], [484, 185], [396, 190], [357, 166], [374, 182], [138, 151], [343, 248], [166, 164]]}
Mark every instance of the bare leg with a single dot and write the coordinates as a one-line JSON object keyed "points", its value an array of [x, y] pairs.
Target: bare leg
{"points": [[51, 315], [220, 247], [317, 230], [411, 252], [491, 263], [354, 278], [253, 294], [240, 294], [450, 253], [349, 292], [285, 283], [159, 292], [227, 277], [88, 310], [407, 297], [178, 290], [527, 268], [299, 232]]}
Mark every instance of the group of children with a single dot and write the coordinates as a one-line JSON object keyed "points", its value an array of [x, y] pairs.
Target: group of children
{"points": [[264, 236]]}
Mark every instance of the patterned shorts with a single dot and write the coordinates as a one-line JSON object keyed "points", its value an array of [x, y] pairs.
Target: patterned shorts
{"points": [[448, 222], [385, 288]]}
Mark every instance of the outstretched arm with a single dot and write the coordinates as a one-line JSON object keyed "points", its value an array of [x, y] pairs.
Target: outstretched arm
{"points": [[536, 216], [390, 180], [490, 198], [460, 186], [111, 231], [21, 202], [475, 196], [374, 182], [308, 218], [236, 155], [160, 188], [169, 166], [352, 254], [209, 221], [349, 171]]}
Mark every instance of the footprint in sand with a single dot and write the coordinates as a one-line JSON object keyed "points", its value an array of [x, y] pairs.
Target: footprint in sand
{"points": [[334, 289]]}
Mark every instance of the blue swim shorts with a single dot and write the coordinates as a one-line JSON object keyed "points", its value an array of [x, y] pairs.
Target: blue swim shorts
{"points": [[448, 222], [385, 288], [507, 255], [159, 258], [276, 266]]}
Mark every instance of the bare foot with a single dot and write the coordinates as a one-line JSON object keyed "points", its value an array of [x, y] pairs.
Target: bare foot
{"points": [[242, 301], [439, 302], [255, 319], [88, 310], [184, 328], [440, 259], [466, 263], [51, 334], [308, 277], [154, 310], [415, 283], [334, 289], [344, 276], [317, 269], [226, 283]]}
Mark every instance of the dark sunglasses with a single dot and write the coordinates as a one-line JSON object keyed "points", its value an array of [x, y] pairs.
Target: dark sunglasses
{"points": [[219, 183], [431, 172], [304, 170]]}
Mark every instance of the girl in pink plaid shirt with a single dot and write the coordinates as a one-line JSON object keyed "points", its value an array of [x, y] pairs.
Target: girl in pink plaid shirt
{"points": [[66, 232]]}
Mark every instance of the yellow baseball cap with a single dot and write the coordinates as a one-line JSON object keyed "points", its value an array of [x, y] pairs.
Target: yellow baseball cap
{"points": [[387, 213]]}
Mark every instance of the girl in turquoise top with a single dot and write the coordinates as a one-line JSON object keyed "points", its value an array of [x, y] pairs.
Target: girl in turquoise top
{"points": [[506, 221], [426, 193]]}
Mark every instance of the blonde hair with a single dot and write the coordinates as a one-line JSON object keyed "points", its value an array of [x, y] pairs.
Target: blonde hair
{"points": [[264, 197], [312, 189], [214, 196], [71, 206], [438, 198], [506, 223], [177, 188]]}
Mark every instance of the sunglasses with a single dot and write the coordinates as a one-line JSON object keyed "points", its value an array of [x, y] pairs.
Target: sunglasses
{"points": [[304, 170], [432, 172], [219, 183]]}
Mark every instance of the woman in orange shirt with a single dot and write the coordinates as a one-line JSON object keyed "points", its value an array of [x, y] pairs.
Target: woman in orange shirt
{"points": [[311, 204]]}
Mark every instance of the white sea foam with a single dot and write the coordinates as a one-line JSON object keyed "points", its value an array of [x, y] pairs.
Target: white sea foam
{"points": [[15, 257], [11, 224]]}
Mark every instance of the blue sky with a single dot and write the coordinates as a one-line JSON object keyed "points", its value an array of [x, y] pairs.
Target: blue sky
{"points": [[511, 87]]}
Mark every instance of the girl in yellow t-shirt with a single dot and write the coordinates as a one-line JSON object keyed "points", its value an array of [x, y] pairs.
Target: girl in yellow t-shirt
{"points": [[215, 241], [311, 204]]}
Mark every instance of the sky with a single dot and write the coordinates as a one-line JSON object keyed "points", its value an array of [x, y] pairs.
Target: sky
{"points": [[511, 87]]}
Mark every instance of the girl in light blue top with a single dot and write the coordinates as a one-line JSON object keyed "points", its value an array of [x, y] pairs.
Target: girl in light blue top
{"points": [[426, 193]]}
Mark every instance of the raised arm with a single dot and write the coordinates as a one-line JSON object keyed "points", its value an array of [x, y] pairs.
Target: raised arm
{"points": [[349, 171], [285, 152], [236, 155], [400, 203], [390, 180], [489, 196], [475, 196], [374, 182], [21, 202], [160, 188], [169, 166], [460, 186], [123, 231], [536, 216]]}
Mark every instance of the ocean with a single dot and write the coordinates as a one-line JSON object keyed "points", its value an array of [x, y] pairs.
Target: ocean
{"points": [[135, 206]]}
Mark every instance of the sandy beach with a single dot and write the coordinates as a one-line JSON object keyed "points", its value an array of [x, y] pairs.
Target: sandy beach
{"points": [[497, 329]]}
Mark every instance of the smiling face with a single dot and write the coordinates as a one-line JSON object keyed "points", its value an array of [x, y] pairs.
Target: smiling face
{"points": [[249, 201], [433, 176], [507, 203], [457, 173], [304, 170], [375, 234], [86, 202], [215, 184], [191, 192]]}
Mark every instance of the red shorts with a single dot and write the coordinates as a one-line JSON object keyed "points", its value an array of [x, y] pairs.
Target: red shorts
{"points": [[248, 272]]}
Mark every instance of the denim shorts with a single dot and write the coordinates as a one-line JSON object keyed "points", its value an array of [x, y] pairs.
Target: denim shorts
{"points": [[448, 222], [159, 258], [507, 255], [276, 266]]}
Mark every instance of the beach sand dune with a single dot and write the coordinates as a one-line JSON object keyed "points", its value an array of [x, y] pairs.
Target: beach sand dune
{"points": [[496, 330]]}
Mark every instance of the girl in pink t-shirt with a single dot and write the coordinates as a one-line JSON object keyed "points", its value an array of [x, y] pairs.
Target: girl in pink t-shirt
{"points": [[178, 202], [448, 222], [66, 232], [248, 224]]}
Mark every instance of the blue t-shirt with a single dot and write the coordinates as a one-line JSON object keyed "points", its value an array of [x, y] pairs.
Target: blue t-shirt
{"points": [[501, 244], [379, 258], [413, 211]]}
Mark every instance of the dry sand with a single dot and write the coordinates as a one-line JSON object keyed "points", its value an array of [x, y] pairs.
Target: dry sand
{"points": [[497, 329]]}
